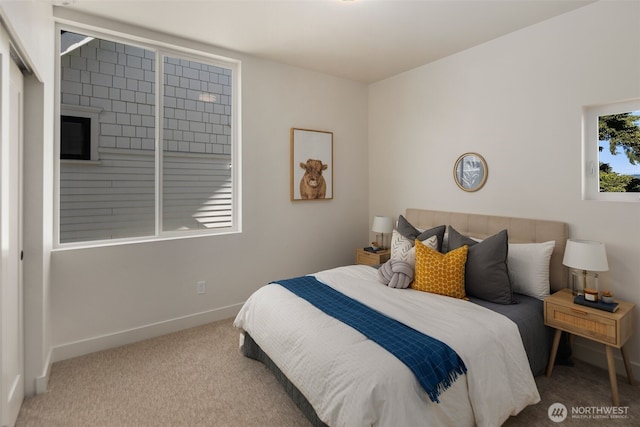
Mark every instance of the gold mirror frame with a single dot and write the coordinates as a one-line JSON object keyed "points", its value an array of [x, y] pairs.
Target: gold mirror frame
{"points": [[470, 172]]}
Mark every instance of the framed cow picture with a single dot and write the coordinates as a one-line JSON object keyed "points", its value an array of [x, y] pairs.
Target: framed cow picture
{"points": [[311, 164]]}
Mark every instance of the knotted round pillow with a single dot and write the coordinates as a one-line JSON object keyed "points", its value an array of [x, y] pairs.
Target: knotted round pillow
{"points": [[396, 274]]}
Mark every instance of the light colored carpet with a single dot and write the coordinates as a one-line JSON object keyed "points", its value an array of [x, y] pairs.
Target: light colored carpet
{"points": [[198, 377]]}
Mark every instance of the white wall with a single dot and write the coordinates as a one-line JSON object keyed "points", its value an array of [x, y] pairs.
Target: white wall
{"points": [[517, 101], [112, 295]]}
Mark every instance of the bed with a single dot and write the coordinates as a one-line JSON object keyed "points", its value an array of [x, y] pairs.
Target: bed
{"points": [[340, 376]]}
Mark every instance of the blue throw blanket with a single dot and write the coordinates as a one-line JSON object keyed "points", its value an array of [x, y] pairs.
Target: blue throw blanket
{"points": [[434, 363]]}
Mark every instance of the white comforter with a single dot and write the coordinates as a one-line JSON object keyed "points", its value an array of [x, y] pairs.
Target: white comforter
{"points": [[351, 381]]}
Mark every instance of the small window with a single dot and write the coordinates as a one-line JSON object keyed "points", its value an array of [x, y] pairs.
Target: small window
{"points": [[75, 138], [612, 152]]}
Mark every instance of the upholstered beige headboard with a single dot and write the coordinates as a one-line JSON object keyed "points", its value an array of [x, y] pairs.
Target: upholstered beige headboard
{"points": [[520, 230]]}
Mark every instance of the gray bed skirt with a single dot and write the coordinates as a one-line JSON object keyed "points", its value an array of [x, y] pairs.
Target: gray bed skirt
{"points": [[252, 350]]}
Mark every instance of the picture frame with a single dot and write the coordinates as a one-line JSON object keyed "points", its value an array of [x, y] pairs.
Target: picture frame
{"points": [[470, 172], [311, 164]]}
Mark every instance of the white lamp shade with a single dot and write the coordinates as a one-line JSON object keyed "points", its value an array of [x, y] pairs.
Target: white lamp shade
{"points": [[382, 224], [585, 255]]}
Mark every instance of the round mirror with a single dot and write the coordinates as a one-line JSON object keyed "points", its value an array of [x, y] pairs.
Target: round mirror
{"points": [[470, 172]]}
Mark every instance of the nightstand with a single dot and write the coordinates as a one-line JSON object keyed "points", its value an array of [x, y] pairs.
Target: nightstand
{"points": [[371, 258], [611, 329]]}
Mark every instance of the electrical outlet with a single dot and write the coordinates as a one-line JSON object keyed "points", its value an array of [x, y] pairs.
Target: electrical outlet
{"points": [[201, 287]]}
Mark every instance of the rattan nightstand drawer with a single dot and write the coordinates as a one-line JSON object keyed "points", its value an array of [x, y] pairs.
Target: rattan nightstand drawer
{"points": [[371, 258], [582, 322]]}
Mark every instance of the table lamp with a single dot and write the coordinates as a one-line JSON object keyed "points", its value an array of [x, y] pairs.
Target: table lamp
{"points": [[382, 225], [585, 255]]}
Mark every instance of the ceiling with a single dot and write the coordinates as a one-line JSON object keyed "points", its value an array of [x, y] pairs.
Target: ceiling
{"points": [[363, 40]]}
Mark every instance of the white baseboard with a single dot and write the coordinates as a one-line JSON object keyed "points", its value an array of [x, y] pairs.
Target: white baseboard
{"points": [[116, 339], [594, 354], [43, 380]]}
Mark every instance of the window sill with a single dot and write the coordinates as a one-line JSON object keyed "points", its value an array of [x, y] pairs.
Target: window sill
{"points": [[149, 239]]}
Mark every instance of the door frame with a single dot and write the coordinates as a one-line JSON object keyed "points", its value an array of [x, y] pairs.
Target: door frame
{"points": [[12, 338]]}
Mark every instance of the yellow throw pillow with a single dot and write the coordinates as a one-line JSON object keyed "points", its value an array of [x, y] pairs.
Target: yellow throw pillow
{"points": [[440, 273]]}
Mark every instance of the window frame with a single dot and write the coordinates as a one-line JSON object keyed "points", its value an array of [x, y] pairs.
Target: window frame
{"points": [[590, 156], [161, 50]]}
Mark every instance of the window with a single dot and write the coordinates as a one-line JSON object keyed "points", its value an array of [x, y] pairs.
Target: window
{"points": [[79, 132], [75, 138], [612, 152], [160, 129]]}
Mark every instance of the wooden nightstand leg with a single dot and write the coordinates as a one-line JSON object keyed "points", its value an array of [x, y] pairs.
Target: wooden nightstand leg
{"points": [[571, 340], [627, 365], [554, 352], [612, 375]]}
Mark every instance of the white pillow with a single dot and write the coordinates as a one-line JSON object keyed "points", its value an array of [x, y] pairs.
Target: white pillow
{"points": [[403, 249], [529, 268]]}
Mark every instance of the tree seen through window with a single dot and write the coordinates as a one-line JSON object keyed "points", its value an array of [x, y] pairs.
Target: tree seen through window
{"points": [[619, 152]]}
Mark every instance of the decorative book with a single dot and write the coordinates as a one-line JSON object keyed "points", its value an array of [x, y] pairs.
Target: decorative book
{"points": [[612, 307]]}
